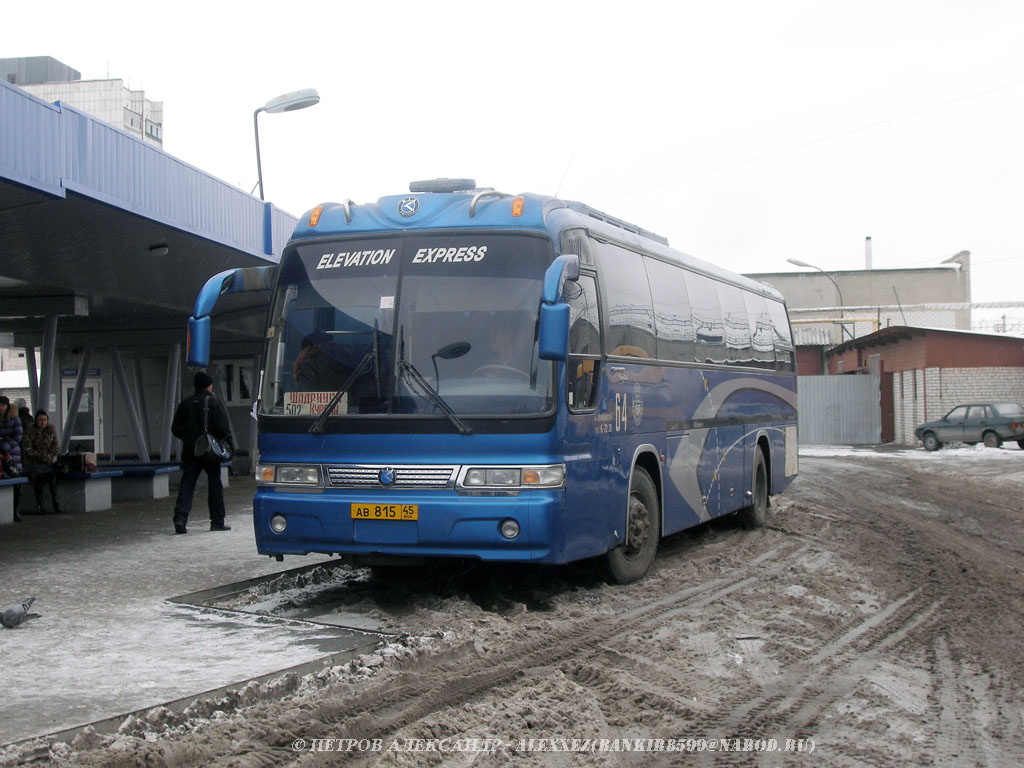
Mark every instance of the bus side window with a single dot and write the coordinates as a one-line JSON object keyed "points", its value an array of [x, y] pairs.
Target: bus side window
{"points": [[584, 343]]}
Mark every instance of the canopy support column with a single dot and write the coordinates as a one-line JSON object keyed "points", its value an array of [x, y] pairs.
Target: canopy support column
{"points": [[33, 379], [49, 350], [170, 399], [140, 393], [76, 400], [133, 416]]}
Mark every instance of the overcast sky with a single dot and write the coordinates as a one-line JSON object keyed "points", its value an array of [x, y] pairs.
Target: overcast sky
{"points": [[745, 132]]}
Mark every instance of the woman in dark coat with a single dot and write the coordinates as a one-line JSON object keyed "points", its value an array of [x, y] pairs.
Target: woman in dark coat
{"points": [[10, 432], [10, 444], [40, 448]]}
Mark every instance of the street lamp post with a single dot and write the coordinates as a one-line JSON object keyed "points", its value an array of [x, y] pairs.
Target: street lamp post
{"points": [[799, 263], [287, 102]]}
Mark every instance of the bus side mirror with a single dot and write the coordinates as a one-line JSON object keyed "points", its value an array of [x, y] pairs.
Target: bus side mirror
{"points": [[197, 350], [241, 280], [553, 338]]}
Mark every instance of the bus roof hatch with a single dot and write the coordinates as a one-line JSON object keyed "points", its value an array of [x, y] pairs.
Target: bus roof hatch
{"points": [[442, 185]]}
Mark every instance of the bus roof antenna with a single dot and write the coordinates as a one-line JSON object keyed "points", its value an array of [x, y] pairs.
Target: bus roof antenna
{"points": [[565, 173]]}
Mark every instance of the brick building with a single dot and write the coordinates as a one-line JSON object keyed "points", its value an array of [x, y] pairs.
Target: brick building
{"points": [[925, 372]]}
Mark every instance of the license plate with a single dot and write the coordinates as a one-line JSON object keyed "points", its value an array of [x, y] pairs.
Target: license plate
{"points": [[385, 512]]}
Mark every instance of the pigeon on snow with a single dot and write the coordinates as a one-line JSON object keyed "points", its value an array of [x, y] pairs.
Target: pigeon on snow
{"points": [[16, 615]]}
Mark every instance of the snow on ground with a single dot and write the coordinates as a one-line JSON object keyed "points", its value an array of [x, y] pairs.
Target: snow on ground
{"points": [[107, 641], [958, 451]]}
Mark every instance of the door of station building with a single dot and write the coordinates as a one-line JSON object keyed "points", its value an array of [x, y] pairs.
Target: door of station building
{"points": [[87, 425]]}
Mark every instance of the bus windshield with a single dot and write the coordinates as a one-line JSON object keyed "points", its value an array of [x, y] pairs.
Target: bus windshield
{"points": [[394, 317]]}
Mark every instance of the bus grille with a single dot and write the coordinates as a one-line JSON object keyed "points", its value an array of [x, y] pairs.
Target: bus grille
{"points": [[368, 476]]}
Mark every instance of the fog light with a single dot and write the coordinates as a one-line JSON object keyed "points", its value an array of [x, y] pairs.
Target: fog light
{"points": [[278, 523], [509, 528]]}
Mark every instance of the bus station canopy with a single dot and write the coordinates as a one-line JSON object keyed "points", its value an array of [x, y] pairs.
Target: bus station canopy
{"points": [[116, 237]]}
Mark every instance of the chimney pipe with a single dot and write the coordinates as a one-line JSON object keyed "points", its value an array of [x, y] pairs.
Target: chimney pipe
{"points": [[867, 253]]}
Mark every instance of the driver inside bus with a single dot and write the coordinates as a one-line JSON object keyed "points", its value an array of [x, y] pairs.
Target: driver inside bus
{"points": [[508, 350], [316, 369]]}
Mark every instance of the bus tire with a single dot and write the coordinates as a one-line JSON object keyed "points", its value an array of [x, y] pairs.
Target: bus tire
{"points": [[754, 515], [632, 560]]}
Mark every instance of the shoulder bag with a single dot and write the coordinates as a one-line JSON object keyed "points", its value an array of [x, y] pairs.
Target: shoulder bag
{"points": [[208, 448]]}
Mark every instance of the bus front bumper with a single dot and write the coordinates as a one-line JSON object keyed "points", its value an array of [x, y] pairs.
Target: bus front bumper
{"points": [[447, 524]]}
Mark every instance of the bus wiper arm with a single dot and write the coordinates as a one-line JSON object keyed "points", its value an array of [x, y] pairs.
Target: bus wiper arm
{"points": [[317, 427], [407, 368]]}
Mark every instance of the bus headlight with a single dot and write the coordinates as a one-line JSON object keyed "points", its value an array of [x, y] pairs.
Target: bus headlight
{"points": [[289, 474], [513, 478], [483, 477]]}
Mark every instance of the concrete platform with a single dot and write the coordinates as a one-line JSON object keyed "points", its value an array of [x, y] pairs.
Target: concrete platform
{"points": [[110, 641]]}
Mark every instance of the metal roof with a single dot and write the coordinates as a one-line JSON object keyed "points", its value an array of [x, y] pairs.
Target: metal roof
{"points": [[896, 333], [113, 234]]}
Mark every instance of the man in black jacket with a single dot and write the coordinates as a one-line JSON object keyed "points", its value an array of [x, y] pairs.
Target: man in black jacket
{"points": [[187, 426]]}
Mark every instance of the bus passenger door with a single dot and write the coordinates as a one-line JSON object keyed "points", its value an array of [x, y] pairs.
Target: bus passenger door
{"points": [[586, 444]]}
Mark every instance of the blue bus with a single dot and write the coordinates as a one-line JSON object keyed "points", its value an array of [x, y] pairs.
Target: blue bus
{"points": [[458, 372]]}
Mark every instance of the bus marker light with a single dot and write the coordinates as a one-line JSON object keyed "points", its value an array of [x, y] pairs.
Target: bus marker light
{"points": [[546, 477], [509, 528], [314, 215], [265, 474], [517, 206], [278, 523]]}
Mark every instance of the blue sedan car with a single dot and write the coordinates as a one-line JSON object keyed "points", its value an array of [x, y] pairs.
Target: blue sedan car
{"points": [[988, 423]]}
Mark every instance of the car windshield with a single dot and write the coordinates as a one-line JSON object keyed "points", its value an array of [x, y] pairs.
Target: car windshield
{"points": [[394, 317]]}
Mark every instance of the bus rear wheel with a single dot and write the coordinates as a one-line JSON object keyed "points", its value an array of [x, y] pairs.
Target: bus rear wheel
{"points": [[632, 560], [754, 515]]}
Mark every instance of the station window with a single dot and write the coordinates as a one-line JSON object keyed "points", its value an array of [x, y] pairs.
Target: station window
{"points": [[236, 380]]}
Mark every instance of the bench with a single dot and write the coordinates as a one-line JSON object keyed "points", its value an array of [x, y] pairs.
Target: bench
{"points": [[7, 486], [225, 474], [77, 492], [140, 482]]}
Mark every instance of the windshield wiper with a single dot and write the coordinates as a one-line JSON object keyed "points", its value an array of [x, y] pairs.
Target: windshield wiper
{"points": [[371, 357], [408, 369]]}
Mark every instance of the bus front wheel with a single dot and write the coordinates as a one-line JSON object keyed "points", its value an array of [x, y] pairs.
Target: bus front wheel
{"points": [[631, 561], [754, 515]]}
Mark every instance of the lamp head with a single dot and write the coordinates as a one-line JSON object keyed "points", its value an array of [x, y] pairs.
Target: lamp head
{"points": [[289, 102]]}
